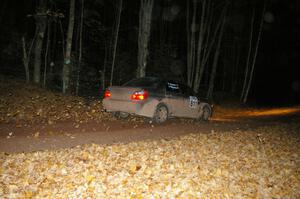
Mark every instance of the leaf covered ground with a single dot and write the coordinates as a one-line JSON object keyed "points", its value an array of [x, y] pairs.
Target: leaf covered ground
{"points": [[264, 163], [259, 163], [31, 104]]}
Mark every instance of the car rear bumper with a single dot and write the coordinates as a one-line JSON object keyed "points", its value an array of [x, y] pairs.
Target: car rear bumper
{"points": [[138, 108]]}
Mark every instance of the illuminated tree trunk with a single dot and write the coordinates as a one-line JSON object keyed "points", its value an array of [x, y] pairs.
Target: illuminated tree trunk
{"points": [[246, 79], [67, 58], [190, 43], [255, 55], [145, 17], [215, 62], [80, 48], [26, 60], [116, 41], [199, 67], [200, 45], [41, 23], [46, 53]]}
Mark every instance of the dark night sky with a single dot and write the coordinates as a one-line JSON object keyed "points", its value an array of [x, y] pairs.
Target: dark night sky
{"points": [[277, 76], [277, 70]]}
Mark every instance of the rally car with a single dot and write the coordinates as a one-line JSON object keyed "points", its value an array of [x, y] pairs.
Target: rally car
{"points": [[155, 98]]}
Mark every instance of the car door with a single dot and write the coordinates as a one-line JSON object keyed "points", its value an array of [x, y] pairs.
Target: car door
{"points": [[174, 99], [190, 103]]}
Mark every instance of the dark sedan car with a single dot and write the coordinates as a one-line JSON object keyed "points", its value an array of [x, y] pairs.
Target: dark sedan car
{"points": [[155, 98]]}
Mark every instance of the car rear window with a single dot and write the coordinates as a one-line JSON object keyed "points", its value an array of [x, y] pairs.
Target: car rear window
{"points": [[143, 82]]}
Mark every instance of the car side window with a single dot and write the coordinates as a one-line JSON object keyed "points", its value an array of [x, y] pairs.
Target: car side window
{"points": [[173, 89]]}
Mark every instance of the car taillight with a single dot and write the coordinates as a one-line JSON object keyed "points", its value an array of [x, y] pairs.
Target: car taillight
{"points": [[107, 94], [139, 95]]}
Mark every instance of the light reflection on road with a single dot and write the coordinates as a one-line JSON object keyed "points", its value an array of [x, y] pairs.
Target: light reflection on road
{"points": [[227, 114], [273, 111]]}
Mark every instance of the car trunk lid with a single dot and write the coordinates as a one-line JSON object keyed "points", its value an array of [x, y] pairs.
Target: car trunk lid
{"points": [[122, 93]]}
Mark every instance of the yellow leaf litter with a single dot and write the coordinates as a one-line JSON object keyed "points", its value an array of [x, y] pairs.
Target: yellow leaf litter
{"points": [[235, 164]]}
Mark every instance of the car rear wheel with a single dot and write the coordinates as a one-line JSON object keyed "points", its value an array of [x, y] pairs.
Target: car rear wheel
{"points": [[121, 115], [161, 114], [206, 113]]}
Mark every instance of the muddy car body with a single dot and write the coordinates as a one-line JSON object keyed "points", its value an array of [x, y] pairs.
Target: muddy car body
{"points": [[155, 98]]}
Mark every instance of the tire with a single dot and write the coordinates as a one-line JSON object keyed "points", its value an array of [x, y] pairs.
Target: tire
{"points": [[161, 114], [121, 115], [206, 113]]}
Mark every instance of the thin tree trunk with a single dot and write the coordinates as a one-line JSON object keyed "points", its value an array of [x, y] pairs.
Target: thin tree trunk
{"points": [[215, 62], [188, 44], [199, 67], [191, 44], [46, 53], [27, 56], [255, 54], [62, 39], [80, 47], [234, 77], [67, 59], [41, 23], [116, 41], [145, 17], [208, 29], [53, 50], [103, 72], [248, 56], [212, 42], [26, 60]]}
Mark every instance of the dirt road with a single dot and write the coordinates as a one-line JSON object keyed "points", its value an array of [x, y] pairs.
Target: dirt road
{"points": [[15, 139]]}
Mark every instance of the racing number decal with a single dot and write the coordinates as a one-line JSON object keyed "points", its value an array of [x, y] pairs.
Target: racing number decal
{"points": [[193, 102]]}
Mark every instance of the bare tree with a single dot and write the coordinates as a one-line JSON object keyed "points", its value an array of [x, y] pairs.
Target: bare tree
{"points": [[246, 78], [27, 55], [116, 41], [245, 97], [41, 23], [67, 57], [190, 42], [26, 58], [106, 55], [206, 24], [199, 67], [216, 59], [47, 51], [145, 17], [249, 71], [80, 46]]}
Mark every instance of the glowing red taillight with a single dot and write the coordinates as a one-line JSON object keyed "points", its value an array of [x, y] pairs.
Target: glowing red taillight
{"points": [[139, 95], [107, 94]]}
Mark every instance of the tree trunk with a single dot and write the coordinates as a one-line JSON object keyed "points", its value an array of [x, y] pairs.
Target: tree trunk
{"points": [[46, 53], [234, 75], [255, 54], [80, 47], [248, 56], [41, 23], [62, 38], [199, 47], [215, 62], [191, 43], [26, 60], [145, 17], [199, 66], [67, 59], [116, 41], [103, 72]]}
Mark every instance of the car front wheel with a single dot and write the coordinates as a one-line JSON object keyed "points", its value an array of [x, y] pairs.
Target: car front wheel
{"points": [[206, 113], [161, 114]]}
